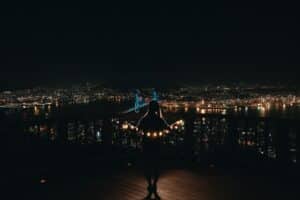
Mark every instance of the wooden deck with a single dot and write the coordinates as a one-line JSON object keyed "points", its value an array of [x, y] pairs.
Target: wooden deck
{"points": [[173, 185]]}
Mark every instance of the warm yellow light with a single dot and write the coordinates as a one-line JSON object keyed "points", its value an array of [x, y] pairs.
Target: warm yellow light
{"points": [[36, 110], [125, 126], [148, 134], [160, 133], [224, 112], [235, 108], [155, 134], [180, 122], [203, 111], [284, 106]]}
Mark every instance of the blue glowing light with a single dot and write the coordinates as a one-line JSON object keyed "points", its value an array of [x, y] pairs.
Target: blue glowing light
{"points": [[154, 96], [140, 103]]}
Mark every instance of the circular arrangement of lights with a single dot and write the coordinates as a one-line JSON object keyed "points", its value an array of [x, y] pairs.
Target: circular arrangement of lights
{"points": [[154, 134]]}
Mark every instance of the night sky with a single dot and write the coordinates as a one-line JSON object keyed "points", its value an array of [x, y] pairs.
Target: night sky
{"points": [[138, 44]]}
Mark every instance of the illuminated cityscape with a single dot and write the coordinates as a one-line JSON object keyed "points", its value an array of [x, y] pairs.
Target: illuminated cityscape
{"points": [[248, 109], [218, 99], [144, 101]]}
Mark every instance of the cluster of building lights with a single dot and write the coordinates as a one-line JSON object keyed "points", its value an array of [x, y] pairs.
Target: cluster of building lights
{"points": [[177, 124]]}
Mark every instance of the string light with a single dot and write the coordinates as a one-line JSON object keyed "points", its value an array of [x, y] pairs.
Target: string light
{"points": [[177, 125]]}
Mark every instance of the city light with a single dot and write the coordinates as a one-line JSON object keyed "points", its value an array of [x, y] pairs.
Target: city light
{"points": [[125, 130], [43, 181], [224, 112], [125, 126]]}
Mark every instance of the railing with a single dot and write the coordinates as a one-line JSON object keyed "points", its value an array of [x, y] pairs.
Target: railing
{"points": [[268, 138]]}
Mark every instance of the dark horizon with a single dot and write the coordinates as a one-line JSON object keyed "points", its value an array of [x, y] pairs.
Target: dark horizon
{"points": [[145, 79]]}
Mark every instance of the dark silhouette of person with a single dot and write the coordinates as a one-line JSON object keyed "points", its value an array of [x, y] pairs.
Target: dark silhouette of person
{"points": [[152, 125]]}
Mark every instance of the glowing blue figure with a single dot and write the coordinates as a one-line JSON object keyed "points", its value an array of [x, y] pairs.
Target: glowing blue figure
{"points": [[138, 101], [154, 95]]}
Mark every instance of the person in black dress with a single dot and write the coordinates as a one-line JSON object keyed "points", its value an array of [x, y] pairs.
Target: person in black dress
{"points": [[152, 126]]}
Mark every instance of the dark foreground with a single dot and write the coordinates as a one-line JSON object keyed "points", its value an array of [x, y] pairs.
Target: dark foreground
{"points": [[174, 184], [129, 183], [89, 173]]}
